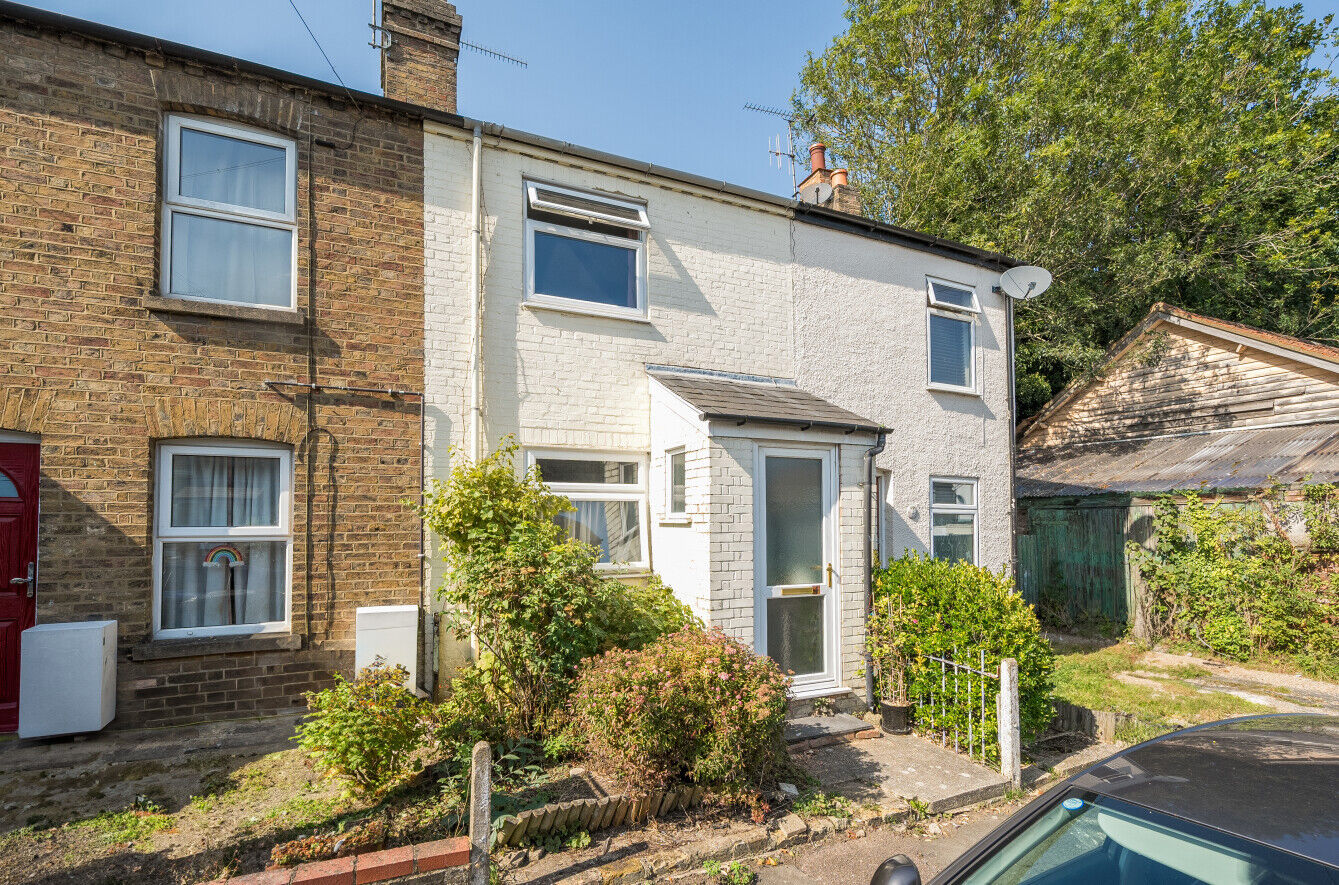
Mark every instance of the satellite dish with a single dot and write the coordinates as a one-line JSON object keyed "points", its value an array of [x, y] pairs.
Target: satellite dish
{"points": [[1025, 282], [818, 193]]}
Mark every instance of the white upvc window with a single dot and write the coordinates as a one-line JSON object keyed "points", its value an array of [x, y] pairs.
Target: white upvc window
{"points": [[953, 518], [585, 252], [676, 483], [229, 231], [608, 490], [222, 555], [950, 335]]}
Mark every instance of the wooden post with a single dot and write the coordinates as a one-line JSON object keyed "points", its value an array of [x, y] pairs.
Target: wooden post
{"points": [[481, 811], [1011, 751]]}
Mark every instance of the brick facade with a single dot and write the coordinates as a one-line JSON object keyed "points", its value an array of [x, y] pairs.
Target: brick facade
{"points": [[100, 367]]}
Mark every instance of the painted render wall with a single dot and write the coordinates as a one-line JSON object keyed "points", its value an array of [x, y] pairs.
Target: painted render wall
{"points": [[860, 320]]}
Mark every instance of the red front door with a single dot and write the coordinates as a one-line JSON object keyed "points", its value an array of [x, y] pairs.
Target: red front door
{"points": [[18, 567]]}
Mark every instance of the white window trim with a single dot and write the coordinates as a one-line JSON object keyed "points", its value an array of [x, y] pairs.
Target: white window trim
{"points": [[164, 531], [961, 317], [974, 510], [575, 232], [174, 203], [609, 491], [670, 512], [935, 302], [535, 201]]}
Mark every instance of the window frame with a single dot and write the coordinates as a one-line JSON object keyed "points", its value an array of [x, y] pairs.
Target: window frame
{"points": [[605, 492], [165, 532], [637, 245], [670, 512], [174, 203], [974, 510], [934, 301], [960, 317]]}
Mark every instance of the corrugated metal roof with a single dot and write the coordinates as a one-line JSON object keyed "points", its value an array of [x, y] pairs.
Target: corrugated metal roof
{"points": [[780, 401], [1237, 459]]}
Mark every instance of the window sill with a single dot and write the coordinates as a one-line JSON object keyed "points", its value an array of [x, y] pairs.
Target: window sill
{"points": [[949, 388], [223, 310], [577, 310], [676, 520], [820, 691], [166, 649]]}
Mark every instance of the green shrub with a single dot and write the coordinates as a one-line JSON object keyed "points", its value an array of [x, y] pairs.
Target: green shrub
{"points": [[1224, 576], [367, 731], [935, 607], [529, 596], [693, 707]]}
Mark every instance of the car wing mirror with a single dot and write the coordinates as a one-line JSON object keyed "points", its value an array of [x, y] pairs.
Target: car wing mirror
{"points": [[896, 870]]}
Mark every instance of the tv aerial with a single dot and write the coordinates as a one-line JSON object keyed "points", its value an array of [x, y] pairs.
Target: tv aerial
{"points": [[778, 157], [382, 39], [1026, 282]]}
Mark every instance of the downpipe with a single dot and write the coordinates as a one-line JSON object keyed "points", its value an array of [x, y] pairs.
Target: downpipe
{"points": [[870, 492]]}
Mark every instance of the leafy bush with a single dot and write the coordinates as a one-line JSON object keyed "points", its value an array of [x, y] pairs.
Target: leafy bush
{"points": [[366, 731], [935, 607], [529, 595], [1225, 576], [693, 707]]}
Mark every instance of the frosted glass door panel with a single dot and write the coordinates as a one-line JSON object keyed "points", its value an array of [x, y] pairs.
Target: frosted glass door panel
{"points": [[794, 520]]}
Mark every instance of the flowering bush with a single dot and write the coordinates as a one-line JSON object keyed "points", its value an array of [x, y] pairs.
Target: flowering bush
{"points": [[693, 707], [366, 731]]}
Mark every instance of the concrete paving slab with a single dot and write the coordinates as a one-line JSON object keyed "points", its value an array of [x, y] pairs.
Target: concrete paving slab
{"points": [[902, 767], [808, 728]]}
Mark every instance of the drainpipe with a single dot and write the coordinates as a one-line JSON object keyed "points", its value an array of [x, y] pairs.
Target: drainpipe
{"points": [[870, 487], [476, 302]]}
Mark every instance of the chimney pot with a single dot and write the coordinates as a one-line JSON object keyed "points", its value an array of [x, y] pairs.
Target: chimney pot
{"points": [[818, 156], [839, 178]]}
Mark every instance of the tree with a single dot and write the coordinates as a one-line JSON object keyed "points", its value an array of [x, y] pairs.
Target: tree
{"points": [[1142, 151]]}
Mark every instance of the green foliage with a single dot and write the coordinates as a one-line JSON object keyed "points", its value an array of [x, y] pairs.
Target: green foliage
{"points": [[692, 707], [735, 873], [1320, 510], [1225, 577], [820, 804], [120, 827], [935, 607], [1169, 150], [367, 731], [530, 597]]}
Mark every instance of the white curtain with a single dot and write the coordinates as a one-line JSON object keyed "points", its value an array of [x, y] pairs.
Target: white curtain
{"points": [[204, 590]]}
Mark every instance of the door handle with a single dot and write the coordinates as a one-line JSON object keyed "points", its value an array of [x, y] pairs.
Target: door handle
{"points": [[31, 580], [829, 574]]}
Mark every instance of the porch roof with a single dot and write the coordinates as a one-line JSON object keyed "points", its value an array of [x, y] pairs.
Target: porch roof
{"points": [[720, 396], [1237, 459]]}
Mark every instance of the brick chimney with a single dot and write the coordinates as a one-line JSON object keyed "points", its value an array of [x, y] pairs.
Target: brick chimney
{"points": [[844, 197], [419, 64]]}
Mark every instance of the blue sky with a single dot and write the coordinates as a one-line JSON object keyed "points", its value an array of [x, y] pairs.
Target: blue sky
{"points": [[664, 82]]}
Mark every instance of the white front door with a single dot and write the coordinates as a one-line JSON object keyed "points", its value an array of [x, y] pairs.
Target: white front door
{"points": [[795, 614]]}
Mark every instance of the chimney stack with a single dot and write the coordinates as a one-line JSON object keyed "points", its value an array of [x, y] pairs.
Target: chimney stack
{"points": [[419, 64], [843, 198]]}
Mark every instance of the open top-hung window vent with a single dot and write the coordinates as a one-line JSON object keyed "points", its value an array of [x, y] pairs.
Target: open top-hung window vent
{"points": [[588, 207], [952, 296]]}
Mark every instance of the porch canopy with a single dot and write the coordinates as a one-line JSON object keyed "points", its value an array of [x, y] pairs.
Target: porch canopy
{"points": [[747, 399], [1235, 459]]}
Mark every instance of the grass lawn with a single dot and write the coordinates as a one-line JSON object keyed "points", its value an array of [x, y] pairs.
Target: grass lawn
{"points": [[1117, 677]]}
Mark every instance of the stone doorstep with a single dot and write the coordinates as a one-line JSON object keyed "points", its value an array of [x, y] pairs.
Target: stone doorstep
{"points": [[390, 865]]}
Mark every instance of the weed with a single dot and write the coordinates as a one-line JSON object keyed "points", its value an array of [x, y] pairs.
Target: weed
{"points": [[119, 827], [734, 874], [920, 809], [820, 804]]}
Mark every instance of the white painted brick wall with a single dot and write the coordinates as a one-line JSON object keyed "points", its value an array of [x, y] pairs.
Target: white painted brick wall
{"points": [[844, 315]]}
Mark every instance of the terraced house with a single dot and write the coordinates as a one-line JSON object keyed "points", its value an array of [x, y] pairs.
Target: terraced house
{"points": [[246, 312]]}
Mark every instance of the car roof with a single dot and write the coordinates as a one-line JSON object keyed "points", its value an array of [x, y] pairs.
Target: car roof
{"points": [[1271, 779]]}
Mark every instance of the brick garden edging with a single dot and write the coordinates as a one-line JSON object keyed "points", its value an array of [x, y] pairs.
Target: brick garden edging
{"points": [[428, 861]]}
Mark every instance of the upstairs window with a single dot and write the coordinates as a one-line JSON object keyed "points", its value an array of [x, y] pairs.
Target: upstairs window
{"points": [[585, 252], [951, 336], [609, 494], [229, 214]]}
